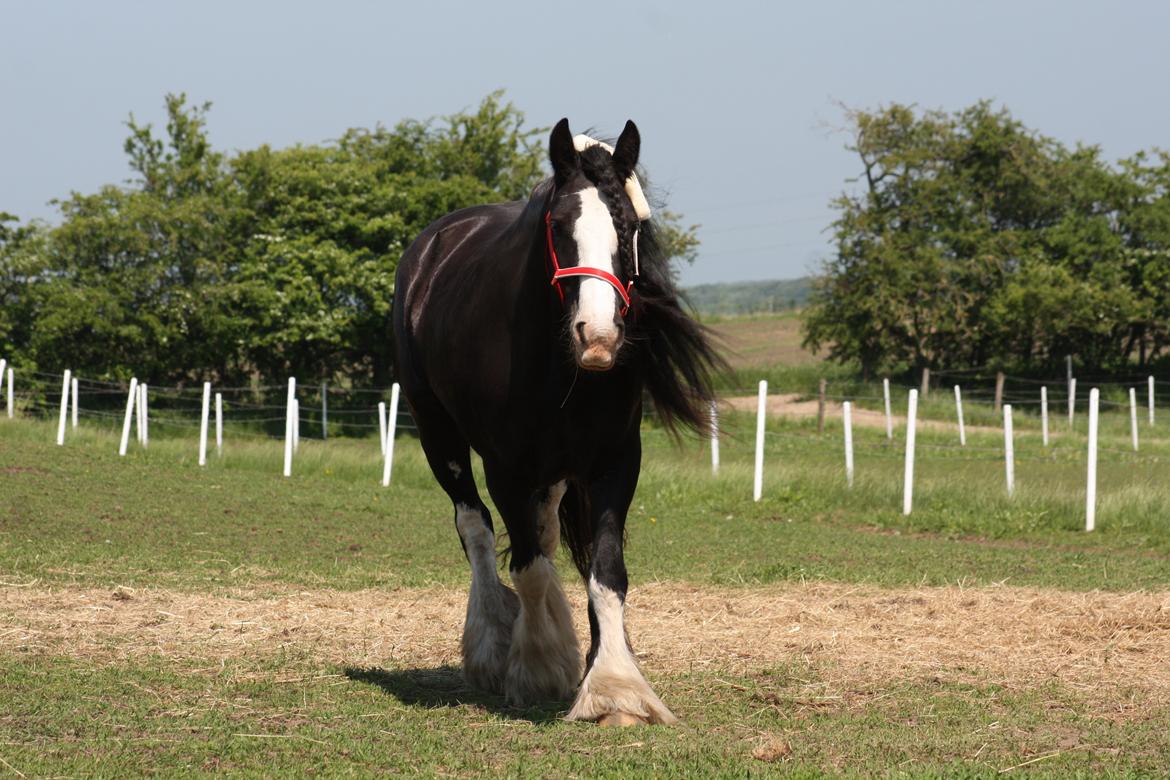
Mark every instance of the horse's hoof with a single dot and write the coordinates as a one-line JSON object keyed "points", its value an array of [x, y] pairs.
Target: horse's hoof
{"points": [[621, 719]]}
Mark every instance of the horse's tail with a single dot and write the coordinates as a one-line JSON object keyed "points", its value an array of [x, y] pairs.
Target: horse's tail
{"points": [[576, 528]]}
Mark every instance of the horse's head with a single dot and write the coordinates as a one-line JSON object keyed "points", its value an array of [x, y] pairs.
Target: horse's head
{"points": [[593, 222]]}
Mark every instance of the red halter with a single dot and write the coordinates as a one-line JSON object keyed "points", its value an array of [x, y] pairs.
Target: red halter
{"points": [[559, 273]]}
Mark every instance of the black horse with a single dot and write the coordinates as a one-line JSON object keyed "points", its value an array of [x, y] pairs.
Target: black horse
{"points": [[530, 331]]}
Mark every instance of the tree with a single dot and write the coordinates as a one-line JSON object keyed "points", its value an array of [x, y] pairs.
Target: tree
{"points": [[266, 262], [976, 240]]}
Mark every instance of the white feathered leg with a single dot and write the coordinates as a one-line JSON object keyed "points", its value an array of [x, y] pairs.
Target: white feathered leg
{"points": [[491, 608], [544, 661], [615, 691]]}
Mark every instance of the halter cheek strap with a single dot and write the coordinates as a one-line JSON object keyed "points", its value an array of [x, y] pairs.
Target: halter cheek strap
{"points": [[559, 273]]}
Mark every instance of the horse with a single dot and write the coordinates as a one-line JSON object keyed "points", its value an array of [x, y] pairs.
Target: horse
{"points": [[531, 331]]}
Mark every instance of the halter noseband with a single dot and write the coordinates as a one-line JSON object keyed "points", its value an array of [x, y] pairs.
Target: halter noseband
{"points": [[559, 273]]}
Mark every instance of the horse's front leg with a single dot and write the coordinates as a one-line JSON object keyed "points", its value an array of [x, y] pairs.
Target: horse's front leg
{"points": [[614, 692], [544, 661]]}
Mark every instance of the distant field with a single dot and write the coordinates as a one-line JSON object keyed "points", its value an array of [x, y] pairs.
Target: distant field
{"points": [[745, 298], [763, 340]]}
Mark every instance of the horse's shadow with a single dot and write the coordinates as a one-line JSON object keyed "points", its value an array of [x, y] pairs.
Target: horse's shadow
{"points": [[444, 686]]}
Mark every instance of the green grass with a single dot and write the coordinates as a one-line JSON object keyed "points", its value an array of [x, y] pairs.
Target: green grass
{"points": [[80, 514], [260, 718]]}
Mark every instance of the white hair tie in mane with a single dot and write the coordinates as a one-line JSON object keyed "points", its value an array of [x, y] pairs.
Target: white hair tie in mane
{"points": [[633, 186]]}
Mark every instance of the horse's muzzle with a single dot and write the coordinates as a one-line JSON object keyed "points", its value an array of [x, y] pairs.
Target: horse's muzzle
{"points": [[597, 351], [596, 358]]}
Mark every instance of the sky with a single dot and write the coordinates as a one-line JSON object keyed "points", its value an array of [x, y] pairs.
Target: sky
{"points": [[740, 104]]}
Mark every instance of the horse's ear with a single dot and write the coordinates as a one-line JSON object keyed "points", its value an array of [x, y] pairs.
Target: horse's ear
{"points": [[625, 153], [561, 152]]}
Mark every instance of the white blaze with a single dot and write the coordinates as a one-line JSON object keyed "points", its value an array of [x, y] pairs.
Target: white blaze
{"points": [[597, 243]]}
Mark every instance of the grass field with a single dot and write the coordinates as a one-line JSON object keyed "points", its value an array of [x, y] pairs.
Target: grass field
{"points": [[158, 617]]}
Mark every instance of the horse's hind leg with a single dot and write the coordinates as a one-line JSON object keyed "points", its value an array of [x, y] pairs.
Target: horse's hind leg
{"points": [[492, 606], [544, 661]]}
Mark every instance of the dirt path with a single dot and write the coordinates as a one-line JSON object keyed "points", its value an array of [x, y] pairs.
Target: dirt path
{"points": [[790, 405], [857, 635]]}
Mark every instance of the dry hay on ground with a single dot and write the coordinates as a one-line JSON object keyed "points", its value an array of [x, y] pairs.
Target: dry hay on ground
{"points": [[856, 635]]}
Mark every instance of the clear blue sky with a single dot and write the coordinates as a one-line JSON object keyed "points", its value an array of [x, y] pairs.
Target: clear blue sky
{"points": [[737, 102]]}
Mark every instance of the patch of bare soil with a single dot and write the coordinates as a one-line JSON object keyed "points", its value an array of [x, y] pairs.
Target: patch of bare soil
{"points": [[1019, 637], [791, 405]]}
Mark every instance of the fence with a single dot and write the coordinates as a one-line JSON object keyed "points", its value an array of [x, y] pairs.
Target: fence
{"points": [[247, 408]]}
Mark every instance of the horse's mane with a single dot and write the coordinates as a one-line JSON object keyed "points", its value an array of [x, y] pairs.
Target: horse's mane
{"points": [[677, 354], [681, 362]]}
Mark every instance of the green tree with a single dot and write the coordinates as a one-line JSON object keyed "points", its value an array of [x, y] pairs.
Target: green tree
{"points": [[975, 240]]}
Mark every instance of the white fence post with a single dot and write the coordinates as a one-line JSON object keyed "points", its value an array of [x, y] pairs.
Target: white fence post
{"points": [[714, 438], [959, 413], [204, 413], [391, 429], [908, 480], [73, 400], [1133, 417], [296, 425], [382, 427], [1150, 393], [1072, 400], [144, 392], [3, 363], [1044, 414], [758, 488], [138, 415], [219, 424], [847, 415], [889, 418], [64, 408], [1091, 483], [288, 426], [1009, 454], [10, 405], [131, 399], [324, 411]]}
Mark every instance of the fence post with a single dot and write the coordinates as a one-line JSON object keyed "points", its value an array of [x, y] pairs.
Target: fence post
{"points": [[288, 426], [1044, 413], [131, 399], [925, 383], [1150, 394], [64, 408], [821, 407], [382, 426], [847, 412], [138, 415], [1091, 482], [391, 429], [73, 400], [1009, 455], [296, 424], [203, 415], [1072, 400], [758, 488], [889, 418], [144, 393], [324, 411], [998, 390], [1133, 417], [714, 438], [908, 481], [219, 425], [3, 363], [959, 414], [10, 404]]}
